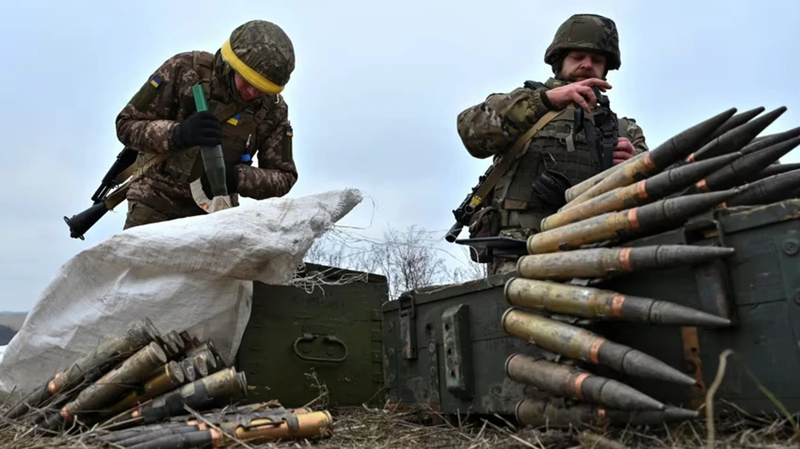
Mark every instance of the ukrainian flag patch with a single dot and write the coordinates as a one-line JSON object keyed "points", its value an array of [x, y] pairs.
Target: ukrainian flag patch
{"points": [[235, 119], [289, 131], [155, 82]]}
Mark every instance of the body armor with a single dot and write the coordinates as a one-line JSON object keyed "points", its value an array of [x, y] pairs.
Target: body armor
{"points": [[572, 145]]}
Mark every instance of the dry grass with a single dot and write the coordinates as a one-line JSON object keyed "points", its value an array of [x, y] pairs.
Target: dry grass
{"points": [[380, 428]]}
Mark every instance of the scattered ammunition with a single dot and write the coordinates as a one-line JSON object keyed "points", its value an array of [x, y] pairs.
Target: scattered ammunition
{"points": [[168, 377], [643, 192], [169, 346], [747, 165], [770, 140], [91, 366], [674, 149], [266, 428], [532, 412], [772, 170], [200, 438], [177, 342], [768, 190], [187, 366], [204, 360], [143, 437], [200, 367], [605, 262], [734, 122], [639, 221], [131, 373], [577, 343], [577, 384], [188, 340], [737, 138], [588, 302], [218, 388]]}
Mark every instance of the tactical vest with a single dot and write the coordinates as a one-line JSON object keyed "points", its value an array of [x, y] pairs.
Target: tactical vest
{"points": [[558, 147], [238, 131]]}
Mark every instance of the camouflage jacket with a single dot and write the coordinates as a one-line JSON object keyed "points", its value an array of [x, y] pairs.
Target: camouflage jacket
{"points": [[490, 128], [147, 124]]}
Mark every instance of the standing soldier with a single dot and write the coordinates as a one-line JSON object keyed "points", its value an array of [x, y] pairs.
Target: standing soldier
{"points": [[576, 142], [246, 115]]}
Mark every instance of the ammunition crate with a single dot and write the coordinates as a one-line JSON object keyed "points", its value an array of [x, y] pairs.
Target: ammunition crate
{"points": [[333, 331], [444, 346]]}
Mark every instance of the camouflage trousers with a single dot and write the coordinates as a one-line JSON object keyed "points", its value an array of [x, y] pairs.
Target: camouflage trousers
{"points": [[141, 214], [503, 265]]}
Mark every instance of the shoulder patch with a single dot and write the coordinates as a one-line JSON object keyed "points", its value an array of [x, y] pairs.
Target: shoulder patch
{"points": [[147, 93]]}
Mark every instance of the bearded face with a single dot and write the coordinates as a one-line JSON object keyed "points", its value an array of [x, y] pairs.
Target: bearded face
{"points": [[579, 65]]}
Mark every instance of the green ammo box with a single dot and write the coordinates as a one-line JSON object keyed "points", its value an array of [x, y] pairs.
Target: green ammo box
{"points": [[445, 347], [333, 331]]}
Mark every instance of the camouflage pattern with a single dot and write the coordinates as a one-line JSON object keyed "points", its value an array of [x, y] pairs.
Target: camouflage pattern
{"points": [[265, 48], [586, 32], [147, 124]]}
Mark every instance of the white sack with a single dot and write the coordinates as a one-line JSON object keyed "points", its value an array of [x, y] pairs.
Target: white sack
{"points": [[194, 273]]}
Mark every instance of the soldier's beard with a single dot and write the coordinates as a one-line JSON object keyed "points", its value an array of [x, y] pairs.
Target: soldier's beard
{"points": [[580, 75]]}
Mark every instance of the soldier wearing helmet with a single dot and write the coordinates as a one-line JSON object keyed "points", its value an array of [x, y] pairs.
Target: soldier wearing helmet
{"points": [[576, 137], [246, 115]]}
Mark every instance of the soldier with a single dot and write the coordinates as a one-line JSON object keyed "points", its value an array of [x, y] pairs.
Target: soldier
{"points": [[246, 115], [566, 150]]}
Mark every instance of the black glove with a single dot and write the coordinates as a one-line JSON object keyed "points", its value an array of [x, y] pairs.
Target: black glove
{"points": [[231, 179], [201, 129], [551, 186]]}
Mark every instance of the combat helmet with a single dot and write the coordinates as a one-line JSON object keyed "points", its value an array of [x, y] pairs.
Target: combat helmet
{"points": [[262, 54], [586, 32]]}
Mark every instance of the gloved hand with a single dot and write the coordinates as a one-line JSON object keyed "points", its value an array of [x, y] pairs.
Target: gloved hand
{"points": [[231, 179], [551, 186], [201, 129]]}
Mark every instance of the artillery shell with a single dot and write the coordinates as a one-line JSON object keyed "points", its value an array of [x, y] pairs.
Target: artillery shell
{"points": [[643, 192], [643, 220], [218, 388], [588, 302], [187, 366], [168, 377], [735, 121], [770, 140], [576, 190], [772, 170], [533, 412], [91, 366], [309, 425], [747, 165], [577, 343], [209, 438], [204, 358], [575, 383], [143, 437], [130, 373], [188, 339], [606, 262], [674, 149], [768, 190], [737, 138]]}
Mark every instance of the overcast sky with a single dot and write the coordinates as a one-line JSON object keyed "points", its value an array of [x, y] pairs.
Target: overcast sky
{"points": [[373, 99]]}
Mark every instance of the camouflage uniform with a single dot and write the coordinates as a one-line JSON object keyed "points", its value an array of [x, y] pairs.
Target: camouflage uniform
{"points": [[151, 124], [560, 149]]}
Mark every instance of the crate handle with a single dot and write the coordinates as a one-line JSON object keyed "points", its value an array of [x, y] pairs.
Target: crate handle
{"points": [[327, 339]]}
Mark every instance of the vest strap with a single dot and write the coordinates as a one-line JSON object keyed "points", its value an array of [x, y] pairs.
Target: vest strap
{"points": [[504, 164]]}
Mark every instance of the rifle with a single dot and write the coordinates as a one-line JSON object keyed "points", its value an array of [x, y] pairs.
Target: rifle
{"points": [[104, 199]]}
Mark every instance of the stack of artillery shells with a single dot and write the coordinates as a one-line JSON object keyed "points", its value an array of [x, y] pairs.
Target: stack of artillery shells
{"points": [[715, 164], [142, 378]]}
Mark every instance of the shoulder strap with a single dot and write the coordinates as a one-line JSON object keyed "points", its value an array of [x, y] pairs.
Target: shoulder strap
{"points": [[203, 63], [507, 159]]}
